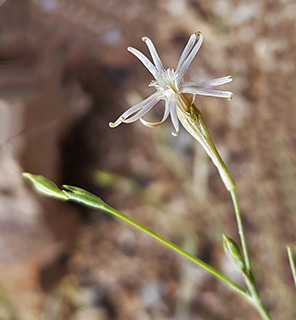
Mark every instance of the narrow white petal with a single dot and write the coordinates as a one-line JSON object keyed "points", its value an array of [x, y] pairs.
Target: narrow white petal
{"points": [[208, 92], [174, 117], [146, 62], [186, 63], [156, 124], [209, 83], [141, 113], [146, 108], [135, 108], [154, 54], [186, 50], [128, 112]]}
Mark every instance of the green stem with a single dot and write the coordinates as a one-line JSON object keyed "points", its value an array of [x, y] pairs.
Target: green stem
{"points": [[71, 193], [249, 279], [255, 298], [261, 309], [181, 251], [241, 229], [193, 121], [292, 263]]}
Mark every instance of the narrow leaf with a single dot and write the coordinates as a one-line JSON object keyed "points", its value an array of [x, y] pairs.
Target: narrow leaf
{"points": [[292, 263]]}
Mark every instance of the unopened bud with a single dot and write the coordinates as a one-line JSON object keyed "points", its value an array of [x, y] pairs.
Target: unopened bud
{"points": [[233, 253]]}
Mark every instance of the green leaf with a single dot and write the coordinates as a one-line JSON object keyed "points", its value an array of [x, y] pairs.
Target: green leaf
{"points": [[45, 186], [233, 253]]}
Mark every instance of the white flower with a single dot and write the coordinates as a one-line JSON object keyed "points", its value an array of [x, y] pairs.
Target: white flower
{"points": [[169, 84]]}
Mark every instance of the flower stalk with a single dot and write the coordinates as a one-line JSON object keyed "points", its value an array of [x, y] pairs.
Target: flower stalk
{"points": [[193, 121]]}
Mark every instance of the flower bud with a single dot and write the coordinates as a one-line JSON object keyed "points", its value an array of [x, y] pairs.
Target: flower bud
{"points": [[45, 186], [233, 253]]}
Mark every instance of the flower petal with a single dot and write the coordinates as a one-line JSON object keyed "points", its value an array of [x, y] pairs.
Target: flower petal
{"points": [[208, 92], [146, 62], [186, 50], [209, 83], [174, 117], [153, 99], [156, 124], [187, 61], [150, 103], [154, 54]]}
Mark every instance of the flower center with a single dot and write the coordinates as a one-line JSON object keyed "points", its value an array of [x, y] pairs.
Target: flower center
{"points": [[168, 83]]}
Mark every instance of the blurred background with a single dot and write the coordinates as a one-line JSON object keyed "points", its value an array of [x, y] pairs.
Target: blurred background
{"points": [[65, 74]]}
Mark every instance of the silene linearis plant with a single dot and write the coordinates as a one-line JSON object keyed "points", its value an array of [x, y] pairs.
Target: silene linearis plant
{"points": [[179, 96]]}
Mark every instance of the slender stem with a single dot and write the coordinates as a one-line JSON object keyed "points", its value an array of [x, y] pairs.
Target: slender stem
{"points": [[241, 229], [81, 196], [263, 312], [249, 279], [292, 263], [181, 251], [193, 121], [255, 298]]}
